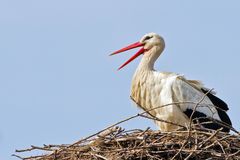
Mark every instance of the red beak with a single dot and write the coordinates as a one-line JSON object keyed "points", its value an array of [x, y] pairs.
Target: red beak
{"points": [[134, 45]]}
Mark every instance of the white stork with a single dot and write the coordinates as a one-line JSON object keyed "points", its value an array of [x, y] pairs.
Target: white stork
{"points": [[151, 89]]}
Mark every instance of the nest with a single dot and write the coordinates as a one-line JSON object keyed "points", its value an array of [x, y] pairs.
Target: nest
{"points": [[115, 143]]}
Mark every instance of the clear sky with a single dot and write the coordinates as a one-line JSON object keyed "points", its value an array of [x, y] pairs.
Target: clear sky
{"points": [[58, 83]]}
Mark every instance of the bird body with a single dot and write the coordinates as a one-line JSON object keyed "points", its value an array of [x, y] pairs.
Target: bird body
{"points": [[151, 89], [148, 92]]}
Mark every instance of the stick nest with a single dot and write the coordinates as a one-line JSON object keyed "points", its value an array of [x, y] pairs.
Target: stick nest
{"points": [[115, 143], [118, 144]]}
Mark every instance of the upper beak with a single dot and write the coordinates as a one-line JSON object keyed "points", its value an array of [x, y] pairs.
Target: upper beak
{"points": [[134, 45]]}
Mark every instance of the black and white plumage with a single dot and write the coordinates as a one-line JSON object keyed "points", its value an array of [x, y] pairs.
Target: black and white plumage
{"points": [[151, 89], [221, 107]]}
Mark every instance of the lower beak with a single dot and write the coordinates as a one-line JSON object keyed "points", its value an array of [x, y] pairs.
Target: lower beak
{"points": [[134, 45]]}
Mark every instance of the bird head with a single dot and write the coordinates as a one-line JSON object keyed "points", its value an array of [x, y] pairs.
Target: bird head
{"points": [[151, 46]]}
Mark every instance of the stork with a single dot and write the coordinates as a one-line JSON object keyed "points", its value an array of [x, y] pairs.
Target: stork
{"points": [[151, 89]]}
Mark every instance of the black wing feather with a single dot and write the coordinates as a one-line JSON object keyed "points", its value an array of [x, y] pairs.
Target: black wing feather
{"points": [[222, 107], [207, 122], [216, 101]]}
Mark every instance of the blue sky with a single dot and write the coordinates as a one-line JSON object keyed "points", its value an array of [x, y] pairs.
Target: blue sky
{"points": [[58, 83]]}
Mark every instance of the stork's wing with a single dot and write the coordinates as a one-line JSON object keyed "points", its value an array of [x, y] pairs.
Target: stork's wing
{"points": [[221, 107], [210, 107]]}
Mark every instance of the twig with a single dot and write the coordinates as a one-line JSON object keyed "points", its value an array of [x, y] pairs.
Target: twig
{"points": [[184, 143], [209, 138]]}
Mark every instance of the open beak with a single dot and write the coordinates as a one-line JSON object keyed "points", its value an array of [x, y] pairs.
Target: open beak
{"points": [[134, 45]]}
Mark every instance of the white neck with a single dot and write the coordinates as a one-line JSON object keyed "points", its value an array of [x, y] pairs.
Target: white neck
{"points": [[149, 58]]}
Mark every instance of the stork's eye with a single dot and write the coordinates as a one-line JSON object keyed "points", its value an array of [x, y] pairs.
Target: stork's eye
{"points": [[147, 38]]}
